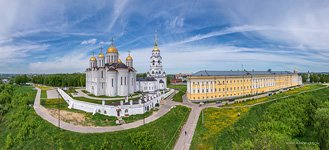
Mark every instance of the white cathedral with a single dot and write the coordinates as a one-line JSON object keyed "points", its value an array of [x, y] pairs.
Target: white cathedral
{"points": [[108, 75]]}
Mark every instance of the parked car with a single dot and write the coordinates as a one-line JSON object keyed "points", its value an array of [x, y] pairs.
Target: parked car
{"points": [[218, 102]]}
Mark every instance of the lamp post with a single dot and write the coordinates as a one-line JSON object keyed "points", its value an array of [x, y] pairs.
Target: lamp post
{"points": [[59, 110], [143, 94]]}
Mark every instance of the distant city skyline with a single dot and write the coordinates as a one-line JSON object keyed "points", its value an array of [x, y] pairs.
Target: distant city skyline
{"points": [[60, 36]]}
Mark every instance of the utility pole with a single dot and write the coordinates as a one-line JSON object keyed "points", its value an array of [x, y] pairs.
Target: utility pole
{"points": [[59, 110], [202, 116]]}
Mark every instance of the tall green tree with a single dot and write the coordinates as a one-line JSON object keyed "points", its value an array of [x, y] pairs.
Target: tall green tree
{"points": [[322, 127]]}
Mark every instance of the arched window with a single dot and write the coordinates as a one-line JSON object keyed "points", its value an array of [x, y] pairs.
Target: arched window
{"points": [[153, 62]]}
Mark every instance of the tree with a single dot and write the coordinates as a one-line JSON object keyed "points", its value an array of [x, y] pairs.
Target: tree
{"points": [[21, 79], [322, 127]]}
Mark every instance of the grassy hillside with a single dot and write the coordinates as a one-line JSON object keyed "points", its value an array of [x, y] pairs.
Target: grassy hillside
{"points": [[23, 129], [182, 91], [275, 125]]}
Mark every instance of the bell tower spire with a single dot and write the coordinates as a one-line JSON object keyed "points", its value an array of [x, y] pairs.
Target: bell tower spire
{"points": [[156, 48]]}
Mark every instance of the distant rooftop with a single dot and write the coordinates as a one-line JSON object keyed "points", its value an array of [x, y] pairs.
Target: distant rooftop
{"points": [[237, 73]]}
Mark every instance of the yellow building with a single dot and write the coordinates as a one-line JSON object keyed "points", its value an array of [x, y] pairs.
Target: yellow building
{"points": [[213, 85]]}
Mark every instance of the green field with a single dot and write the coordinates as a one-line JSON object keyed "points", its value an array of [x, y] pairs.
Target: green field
{"points": [[95, 120], [276, 125], [280, 95], [23, 129], [181, 89], [107, 102], [103, 96]]}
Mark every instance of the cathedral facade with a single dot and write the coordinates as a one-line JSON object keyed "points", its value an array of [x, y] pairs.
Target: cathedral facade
{"points": [[108, 75]]}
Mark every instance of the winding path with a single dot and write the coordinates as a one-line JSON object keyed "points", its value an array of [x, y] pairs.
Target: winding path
{"points": [[184, 140], [43, 113], [186, 134]]}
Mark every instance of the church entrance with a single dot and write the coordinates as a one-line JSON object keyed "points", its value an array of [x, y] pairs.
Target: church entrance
{"points": [[118, 112]]}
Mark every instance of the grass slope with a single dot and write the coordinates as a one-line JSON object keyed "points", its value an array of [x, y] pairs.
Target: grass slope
{"points": [[222, 128], [181, 89], [23, 129]]}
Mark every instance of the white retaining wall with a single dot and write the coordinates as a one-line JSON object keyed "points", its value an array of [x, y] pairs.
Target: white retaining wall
{"points": [[121, 110]]}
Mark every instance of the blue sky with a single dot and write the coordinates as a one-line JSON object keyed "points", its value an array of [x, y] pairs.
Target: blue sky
{"points": [[59, 36]]}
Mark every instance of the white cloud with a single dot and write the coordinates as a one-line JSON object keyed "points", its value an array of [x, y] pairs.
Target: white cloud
{"points": [[15, 53], [88, 42], [66, 64], [119, 7], [303, 23], [192, 58], [175, 23]]}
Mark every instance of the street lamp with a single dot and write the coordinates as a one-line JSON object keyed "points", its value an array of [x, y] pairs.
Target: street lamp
{"points": [[143, 94], [59, 110]]}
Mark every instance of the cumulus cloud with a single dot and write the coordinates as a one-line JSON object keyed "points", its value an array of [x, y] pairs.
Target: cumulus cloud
{"points": [[301, 23], [90, 41], [15, 53], [194, 34], [67, 64]]}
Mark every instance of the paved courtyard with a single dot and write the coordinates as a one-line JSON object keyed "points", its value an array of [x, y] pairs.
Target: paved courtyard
{"points": [[52, 94]]}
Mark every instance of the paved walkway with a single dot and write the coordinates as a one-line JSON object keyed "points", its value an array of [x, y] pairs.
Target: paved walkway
{"points": [[82, 94], [43, 113], [51, 94], [184, 141]]}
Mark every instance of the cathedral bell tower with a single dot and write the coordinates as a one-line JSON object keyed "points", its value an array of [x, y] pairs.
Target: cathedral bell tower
{"points": [[156, 70]]}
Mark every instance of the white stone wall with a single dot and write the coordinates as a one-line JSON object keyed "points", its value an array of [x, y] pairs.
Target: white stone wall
{"points": [[111, 79], [121, 110], [122, 82], [146, 86], [132, 82]]}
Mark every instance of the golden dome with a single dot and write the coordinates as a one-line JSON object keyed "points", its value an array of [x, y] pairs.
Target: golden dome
{"points": [[101, 55], [93, 58], [119, 61], [129, 58], [156, 48], [112, 49]]}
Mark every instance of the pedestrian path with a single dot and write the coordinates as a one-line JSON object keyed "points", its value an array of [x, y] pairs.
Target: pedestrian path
{"points": [[43, 113], [184, 141]]}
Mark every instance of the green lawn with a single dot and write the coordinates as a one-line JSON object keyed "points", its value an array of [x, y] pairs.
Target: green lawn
{"points": [[107, 102], [134, 118], [279, 95], [23, 129], [280, 122], [182, 91], [97, 119], [53, 103], [103, 96]]}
